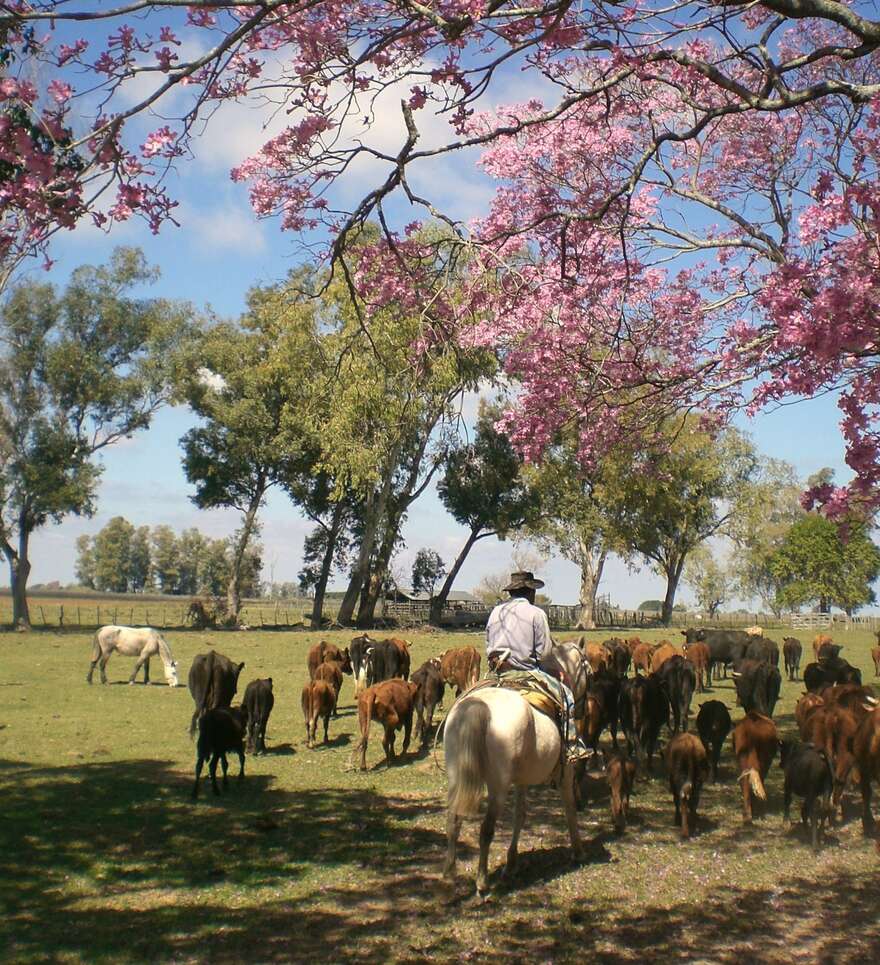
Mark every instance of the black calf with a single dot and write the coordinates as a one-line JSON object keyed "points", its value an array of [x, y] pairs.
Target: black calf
{"points": [[220, 730], [807, 774], [257, 704], [713, 726]]}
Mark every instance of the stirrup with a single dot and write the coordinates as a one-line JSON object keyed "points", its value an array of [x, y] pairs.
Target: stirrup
{"points": [[577, 751]]}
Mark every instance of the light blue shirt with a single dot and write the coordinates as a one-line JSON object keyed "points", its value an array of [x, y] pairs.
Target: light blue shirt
{"points": [[520, 627]]}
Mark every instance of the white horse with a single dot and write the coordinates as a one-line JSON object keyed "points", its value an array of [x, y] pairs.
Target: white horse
{"points": [[142, 642], [494, 739]]}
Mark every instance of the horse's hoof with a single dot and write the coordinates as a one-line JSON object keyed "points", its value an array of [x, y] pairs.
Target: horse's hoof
{"points": [[131, 683]]}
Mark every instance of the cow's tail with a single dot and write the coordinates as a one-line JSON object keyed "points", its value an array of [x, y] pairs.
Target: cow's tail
{"points": [[757, 785], [365, 714], [467, 760], [203, 702]]}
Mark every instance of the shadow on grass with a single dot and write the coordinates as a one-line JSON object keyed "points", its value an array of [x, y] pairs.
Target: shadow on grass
{"points": [[112, 863]]}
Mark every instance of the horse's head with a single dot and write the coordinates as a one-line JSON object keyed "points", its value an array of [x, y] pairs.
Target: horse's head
{"points": [[171, 674]]}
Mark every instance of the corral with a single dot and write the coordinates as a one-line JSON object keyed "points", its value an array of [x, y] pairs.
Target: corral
{"points": [[105, 858]]}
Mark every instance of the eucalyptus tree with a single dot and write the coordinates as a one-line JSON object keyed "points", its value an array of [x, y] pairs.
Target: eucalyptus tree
{"points": [[80, 369]]}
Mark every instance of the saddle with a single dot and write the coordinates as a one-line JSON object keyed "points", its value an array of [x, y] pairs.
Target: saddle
{"points": [[534, 689]]}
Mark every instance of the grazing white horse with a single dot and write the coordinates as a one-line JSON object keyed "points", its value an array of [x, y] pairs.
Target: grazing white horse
{"points": [[494, 739], [141, 642]]}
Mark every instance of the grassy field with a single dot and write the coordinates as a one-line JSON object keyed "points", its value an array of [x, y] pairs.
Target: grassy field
{"points": [[104, 858]]}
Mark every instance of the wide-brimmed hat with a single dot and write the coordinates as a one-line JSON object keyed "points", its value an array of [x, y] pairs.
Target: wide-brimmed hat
{"points": [[523, 580]]}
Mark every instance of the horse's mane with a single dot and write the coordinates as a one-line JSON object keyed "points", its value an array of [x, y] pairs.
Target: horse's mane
{"points": [[164, 650]]}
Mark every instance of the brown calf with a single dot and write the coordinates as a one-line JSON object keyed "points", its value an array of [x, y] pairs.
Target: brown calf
{"points": [[330, 671], [840, 731], [819, 641], [596, 654], [807, 706], [661, 654], [875, 656], [460, 668], [391, 704], [318, 701], [688, 767], [632, 643], [642, 658], [698, 655], [755, 740], [620, 772], [866, 749], [403, 648]]}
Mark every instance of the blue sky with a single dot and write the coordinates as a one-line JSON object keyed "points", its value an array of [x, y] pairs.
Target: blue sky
{"points": [[218, 253]]}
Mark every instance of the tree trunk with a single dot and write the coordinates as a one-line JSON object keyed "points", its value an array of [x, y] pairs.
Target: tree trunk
{"points": [[372, 588], [19, 570], [824, 606], [438, 601], [591, 576], [327, 566], [373, 511], [672, 578], [233, 591]]}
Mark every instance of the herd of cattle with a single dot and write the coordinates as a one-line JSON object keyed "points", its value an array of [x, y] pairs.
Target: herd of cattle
{"points": [[838, 718]]}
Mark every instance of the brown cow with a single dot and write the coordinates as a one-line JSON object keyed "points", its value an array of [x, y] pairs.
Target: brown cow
{"points": [[596, 654], [632, 643], [698, 655], [866, 750], [642, 658], [840, 731], [403, 647], [688, 767], [806, 706], [755, 740], [875, 656], [391, 703], [460, 668], [620, 772], [855, 698], [661, 654], [330, 671], [318, 701], [819, 641], [323, 651]]}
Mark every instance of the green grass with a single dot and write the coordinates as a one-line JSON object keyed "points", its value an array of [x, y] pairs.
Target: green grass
{"points": [[103, 857]]}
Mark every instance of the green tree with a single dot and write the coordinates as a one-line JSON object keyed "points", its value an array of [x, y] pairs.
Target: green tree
{"points": [[678, 493], [483, 488], [428, 569], [79, 370], [766, 512], [139, 564], [253, 405], [712, 583], [165, 554], [820, 562], [191, 549], [112, 553], [214, 573], [85, 561]]}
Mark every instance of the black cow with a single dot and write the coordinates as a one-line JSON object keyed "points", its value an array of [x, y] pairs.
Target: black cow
{"points": [[384, 662], [357, 650], [258, 703], [679, 680], [713, 726], [760, 649], [643, 711], [757, 686], [722, 644], [213, 681], [221, 729], [619, 656], [430, 693], [791, 655], [605, 685], [807, 774], [830, 671]]}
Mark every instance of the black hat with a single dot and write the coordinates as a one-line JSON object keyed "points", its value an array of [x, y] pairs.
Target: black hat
{"points": [[523, 580]]}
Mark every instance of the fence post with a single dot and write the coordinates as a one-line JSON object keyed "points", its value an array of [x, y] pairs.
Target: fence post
{"points": [[131, 617], [116, 615], [61, 615], [164, 624], [98, 620], [78, 621], [43, 615]]}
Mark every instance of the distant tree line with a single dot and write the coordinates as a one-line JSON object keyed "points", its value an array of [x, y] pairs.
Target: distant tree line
{"points": [[122, 558]]}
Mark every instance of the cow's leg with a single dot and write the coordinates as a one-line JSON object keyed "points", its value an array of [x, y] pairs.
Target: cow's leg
{"points": [[264, 723], [786, 803], [813, 810], [225, 765], [747, 799], [519, 819], [199, 763], [407, 727], [867, 817], [240, 764], [326, 728], [453, 828], [676, 800], [363, 750], [212, 769]]}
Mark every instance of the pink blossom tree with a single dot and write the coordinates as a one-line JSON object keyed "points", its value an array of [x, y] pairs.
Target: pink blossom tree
{"points": [[688, 219]]}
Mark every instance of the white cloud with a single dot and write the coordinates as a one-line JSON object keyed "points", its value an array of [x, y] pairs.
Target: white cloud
{"points": [[228, 226]]}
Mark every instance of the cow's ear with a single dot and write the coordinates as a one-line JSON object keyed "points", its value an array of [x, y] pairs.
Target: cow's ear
{"points": [[269, 681]]}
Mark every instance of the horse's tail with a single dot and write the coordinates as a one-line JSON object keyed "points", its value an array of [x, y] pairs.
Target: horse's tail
{"points": [[96, 645], [203, 701], [467, 760]]}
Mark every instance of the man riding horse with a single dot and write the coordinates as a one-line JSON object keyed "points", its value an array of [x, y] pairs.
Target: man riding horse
{"points": [[518, 639]]}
